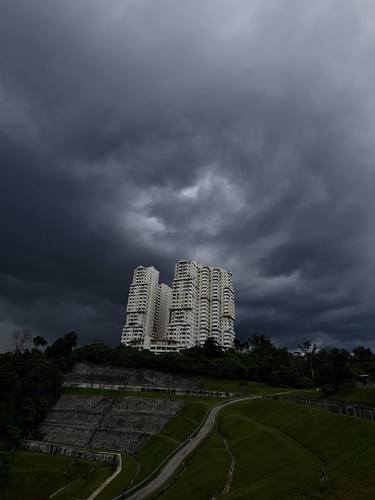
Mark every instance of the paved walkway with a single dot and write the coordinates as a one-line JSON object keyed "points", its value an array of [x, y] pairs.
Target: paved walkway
{"points": [[109, 479], [174, 463]]}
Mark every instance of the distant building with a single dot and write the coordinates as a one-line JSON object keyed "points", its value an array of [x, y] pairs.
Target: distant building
{"points": [[147, 309], [199, 305]]}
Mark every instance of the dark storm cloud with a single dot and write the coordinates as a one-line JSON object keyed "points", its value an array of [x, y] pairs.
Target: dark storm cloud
{"points": [[141, 132]]}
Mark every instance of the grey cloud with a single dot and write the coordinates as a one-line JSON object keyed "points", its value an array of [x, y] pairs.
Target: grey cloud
{"points": [[138, 132]]}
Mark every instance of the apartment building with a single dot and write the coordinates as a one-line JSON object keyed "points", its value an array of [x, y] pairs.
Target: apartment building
{"points": [[202, 305], [163, 304], [147, 309], [199, 305]]}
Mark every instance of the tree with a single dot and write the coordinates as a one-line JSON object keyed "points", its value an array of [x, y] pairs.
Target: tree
{"points": [[39, 341], [20, 339], [309, 350], [259, 340], [237, 344], [363, 354], [61, 351], [63, 346], [333, 369], [211, 348]]}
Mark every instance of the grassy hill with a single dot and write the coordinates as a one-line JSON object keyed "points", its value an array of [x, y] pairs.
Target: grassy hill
{"points": [[35, 476], [353, 394], [44, 474], [174, 433], [279, 449], [283, 451], [210, 464]]}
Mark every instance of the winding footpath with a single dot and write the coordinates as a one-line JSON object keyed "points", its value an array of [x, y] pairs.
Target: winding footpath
{"points": [[109, 479], [178, 458], [229, 480]]}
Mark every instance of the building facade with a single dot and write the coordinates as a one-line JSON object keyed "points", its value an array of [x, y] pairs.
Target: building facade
{"points": [[199, 305]]}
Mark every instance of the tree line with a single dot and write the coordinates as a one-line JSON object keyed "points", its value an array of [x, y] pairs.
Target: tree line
{"points": [[257, 359]]}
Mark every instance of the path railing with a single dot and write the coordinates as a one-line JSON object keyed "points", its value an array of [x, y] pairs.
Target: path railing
{"points": [[352, 408], [175, 391], [71, 451]]}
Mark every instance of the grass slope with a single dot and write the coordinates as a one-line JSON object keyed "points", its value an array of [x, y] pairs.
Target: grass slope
{"points": [[280, 450], [43, 474], [345, 444], [269, 464], [360, 486], [122, 481], [353, 394], [36, 476], [174, 433], [210, 464]]}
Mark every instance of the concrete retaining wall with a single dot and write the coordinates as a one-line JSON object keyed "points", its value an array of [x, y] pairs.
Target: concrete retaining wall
{"points": [[133, 388], [70, 451]]}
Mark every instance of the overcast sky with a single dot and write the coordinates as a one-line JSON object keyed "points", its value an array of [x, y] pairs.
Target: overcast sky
{"points": [[236, 133]]}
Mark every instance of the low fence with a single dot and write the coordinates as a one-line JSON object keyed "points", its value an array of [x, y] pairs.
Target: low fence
{"points": [[166, 390], [352, 408], [70, 451]]}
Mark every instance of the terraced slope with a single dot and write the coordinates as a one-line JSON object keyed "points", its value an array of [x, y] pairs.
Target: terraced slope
{"points": [[105, 423]]}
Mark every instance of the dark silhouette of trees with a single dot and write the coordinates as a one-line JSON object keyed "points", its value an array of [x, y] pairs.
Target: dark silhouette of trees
{"points": [[259, 340], [309, 351], [20, 339], [30, 382], [333, 369], [211, 348], [61, 350], [39, 342]]}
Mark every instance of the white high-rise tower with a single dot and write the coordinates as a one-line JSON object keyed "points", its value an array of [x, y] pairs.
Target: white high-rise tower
{"points": [[144, 308], [200, 305]]}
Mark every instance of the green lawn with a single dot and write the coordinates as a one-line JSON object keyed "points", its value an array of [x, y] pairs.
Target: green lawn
{"points": [[210, 464], [123, 480], [280, 450], [353, 394], [44, 474], [174, 433], [360, 486], [34, 476], [51, 473]]}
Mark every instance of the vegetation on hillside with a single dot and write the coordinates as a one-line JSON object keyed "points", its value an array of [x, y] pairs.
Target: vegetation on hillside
{"points": [[210, 464], [35, 476], [30, 382], [284, 452], [177, 430], [30, 378], [328, 368]]}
